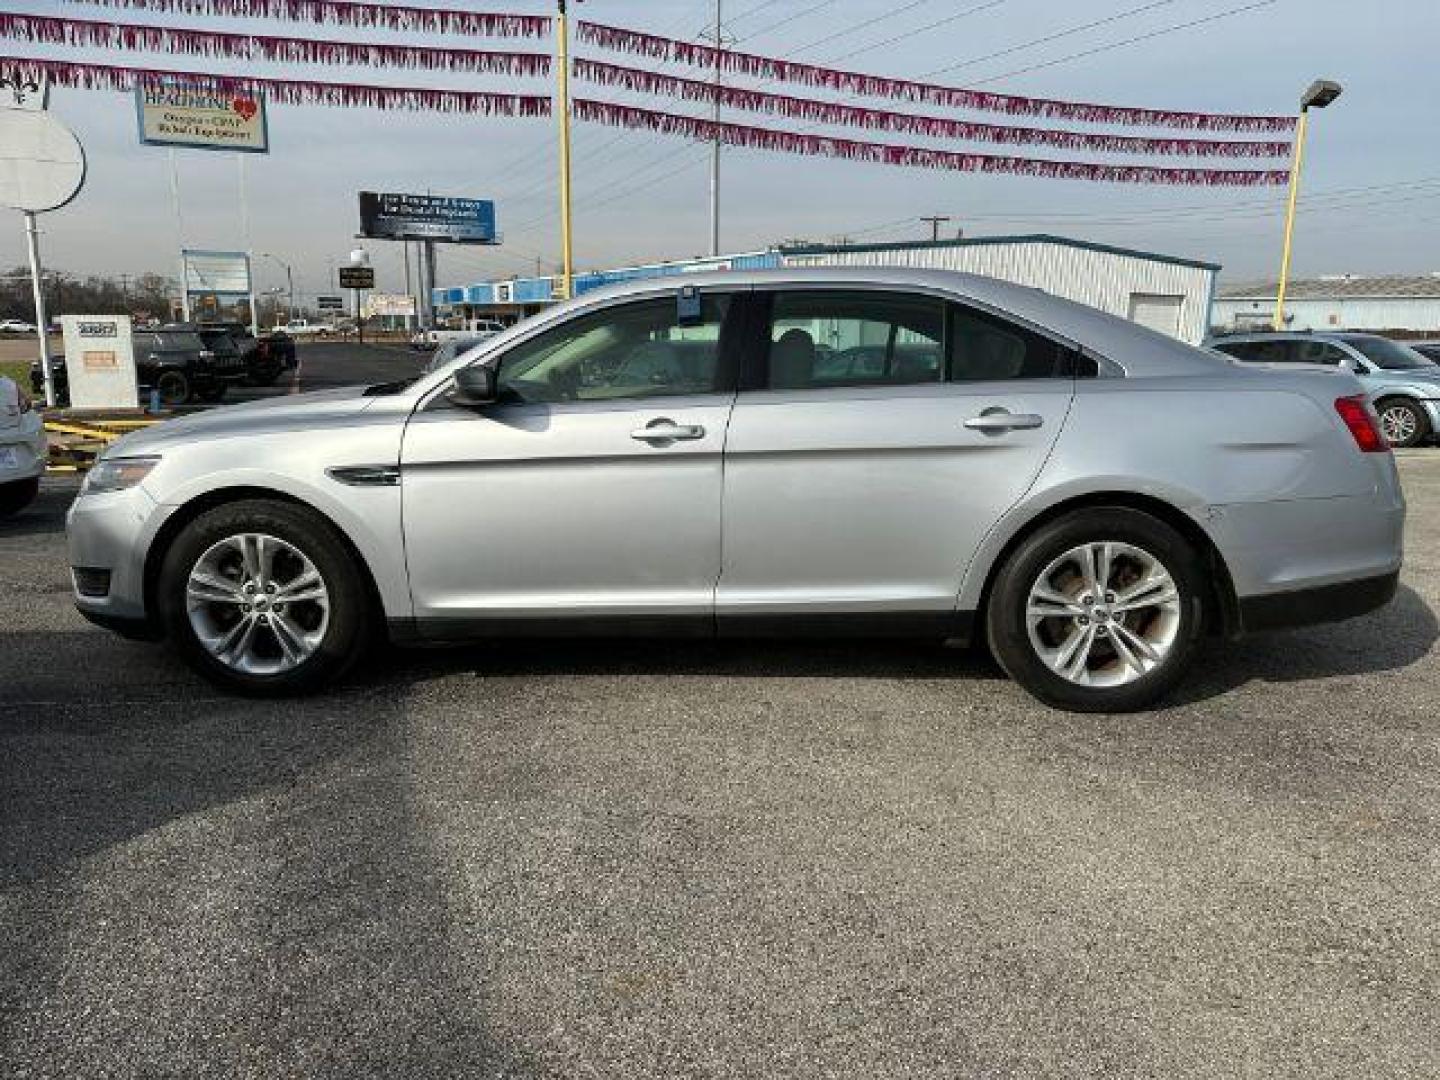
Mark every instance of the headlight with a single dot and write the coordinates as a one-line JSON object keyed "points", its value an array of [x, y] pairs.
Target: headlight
{"points": [[117, 474]]}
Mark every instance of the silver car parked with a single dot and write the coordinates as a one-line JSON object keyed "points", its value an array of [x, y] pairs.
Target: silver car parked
{"points": [[1403, 383], [861, 451]]}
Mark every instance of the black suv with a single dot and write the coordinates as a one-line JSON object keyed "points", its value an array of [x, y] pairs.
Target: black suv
{"points": [[177, 361]]}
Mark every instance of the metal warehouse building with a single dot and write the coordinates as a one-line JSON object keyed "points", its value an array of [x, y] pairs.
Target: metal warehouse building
{"points": [[1336, 303], [1166, 293], [1169, 294]]}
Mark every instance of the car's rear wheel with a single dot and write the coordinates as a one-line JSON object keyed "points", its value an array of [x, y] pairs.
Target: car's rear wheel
{"points": [[264, 598], [174, 388], [1098, 611], [17, 495], [1403, 422]]}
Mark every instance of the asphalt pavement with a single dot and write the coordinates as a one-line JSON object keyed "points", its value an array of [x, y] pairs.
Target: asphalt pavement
{"points": [[686, 859]]}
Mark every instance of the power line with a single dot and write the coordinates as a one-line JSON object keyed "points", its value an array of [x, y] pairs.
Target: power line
{"points": [[1096, 24], [1128, 41], [976, 10], [883, 17], [787, 20]]}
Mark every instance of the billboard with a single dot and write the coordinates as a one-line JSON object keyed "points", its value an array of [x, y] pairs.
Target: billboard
{"points": [[379, 304], [181, 113], [99, 361], [330, 303], [390, 216], [226, 273]]}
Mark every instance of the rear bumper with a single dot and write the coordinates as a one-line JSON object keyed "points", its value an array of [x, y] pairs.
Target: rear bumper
{"points": [[1325, 603]]}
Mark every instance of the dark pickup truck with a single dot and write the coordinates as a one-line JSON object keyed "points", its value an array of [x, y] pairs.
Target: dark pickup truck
{"points": [[266, 357]]}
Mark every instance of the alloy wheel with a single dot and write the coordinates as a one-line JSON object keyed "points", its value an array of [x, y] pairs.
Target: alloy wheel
{"points": [[1398, 424], [1103, 614], [257, 604]]}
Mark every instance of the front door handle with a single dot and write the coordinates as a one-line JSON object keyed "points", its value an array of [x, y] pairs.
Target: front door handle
{"points": [[999, 421], [667, 431]]}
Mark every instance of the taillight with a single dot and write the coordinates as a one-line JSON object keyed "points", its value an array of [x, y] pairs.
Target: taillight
{"points": [[1359, 418]]}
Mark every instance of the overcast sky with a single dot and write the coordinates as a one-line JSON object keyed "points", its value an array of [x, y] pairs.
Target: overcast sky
{"points": [[1373, 174]]}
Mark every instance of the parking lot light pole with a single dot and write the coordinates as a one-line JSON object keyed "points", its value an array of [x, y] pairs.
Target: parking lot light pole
{"points": [[1321, 93], [289, 284]]}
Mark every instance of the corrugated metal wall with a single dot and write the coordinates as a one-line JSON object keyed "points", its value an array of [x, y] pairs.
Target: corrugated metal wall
{"points": [[1351, 313], [1103, 279]]}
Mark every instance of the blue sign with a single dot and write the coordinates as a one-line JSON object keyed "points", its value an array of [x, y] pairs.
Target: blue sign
{"points": [[389, 216]]}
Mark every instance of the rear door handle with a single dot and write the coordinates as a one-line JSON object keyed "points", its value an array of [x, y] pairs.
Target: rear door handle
{"points": [[667, 431], [999, 421]]}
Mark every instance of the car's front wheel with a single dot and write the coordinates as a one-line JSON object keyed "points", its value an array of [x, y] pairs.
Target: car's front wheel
{"points": [[1099, 611], [1403, 422], [264, 598]]}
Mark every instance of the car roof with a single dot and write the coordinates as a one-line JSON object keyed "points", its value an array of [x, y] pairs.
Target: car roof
{"points": [[1137, 349]]}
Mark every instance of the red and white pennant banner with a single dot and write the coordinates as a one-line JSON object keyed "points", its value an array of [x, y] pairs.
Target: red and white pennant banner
{"points": [[347, 13], [284, 91], [684, 52], [882, 153], [86, 33], [830, 112]]}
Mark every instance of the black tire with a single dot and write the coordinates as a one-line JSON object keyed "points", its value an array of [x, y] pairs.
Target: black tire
{"points": [[17, 495], [212, 393], [265, 374], [1405, 421], [174, 387], [351, 617], [1008, 630]]}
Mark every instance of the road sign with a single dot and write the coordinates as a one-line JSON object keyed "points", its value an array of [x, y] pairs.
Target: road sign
{"points": [[357, 277], [330, 303]]}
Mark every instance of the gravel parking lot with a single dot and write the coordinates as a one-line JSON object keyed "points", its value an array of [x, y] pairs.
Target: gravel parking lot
{"points": [[747, 860]]}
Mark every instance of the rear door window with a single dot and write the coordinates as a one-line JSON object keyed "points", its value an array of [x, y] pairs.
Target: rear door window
{"points": [[820, 339], [985, 348]]}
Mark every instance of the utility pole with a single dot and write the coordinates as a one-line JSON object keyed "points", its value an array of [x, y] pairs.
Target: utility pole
{"points": [[715, 145], [935, 220], [562, 74]]}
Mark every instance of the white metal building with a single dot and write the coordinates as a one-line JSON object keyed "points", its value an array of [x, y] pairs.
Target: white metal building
{"points": [[1166, 293], [1169, 294], [1336, 303]]}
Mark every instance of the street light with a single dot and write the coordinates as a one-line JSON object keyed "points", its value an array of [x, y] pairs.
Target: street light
{"points": [[1321, 93], [289, 283]]}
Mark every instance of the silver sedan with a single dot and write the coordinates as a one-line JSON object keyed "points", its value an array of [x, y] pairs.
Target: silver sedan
{"points": [[864, 452]]}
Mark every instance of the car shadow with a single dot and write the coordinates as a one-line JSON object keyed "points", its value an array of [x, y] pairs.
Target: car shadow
{"points": [[1398, 635], [1394, 638]]}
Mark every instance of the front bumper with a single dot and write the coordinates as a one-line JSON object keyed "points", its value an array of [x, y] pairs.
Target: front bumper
{"points": [[112, 531], [28, 447]]}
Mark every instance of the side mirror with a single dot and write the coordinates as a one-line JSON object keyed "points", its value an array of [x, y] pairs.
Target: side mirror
{"points": [[474, 385]]}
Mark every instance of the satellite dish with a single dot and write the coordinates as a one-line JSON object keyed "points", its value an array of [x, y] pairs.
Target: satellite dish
{"points": [[41, 164]]}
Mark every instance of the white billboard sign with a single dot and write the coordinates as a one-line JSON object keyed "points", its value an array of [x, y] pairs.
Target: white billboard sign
{"points": [[100, 362], [378, 304], [226, 273], [194, 114]]}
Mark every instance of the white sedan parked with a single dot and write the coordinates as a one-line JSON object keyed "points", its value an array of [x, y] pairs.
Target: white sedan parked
{"points": [[23, 448]]}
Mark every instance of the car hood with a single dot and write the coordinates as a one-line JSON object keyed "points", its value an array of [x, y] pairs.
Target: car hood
{"points": [[289, 413]]}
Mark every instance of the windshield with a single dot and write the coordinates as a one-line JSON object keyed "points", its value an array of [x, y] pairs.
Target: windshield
{"points": [[1390, 355]]}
